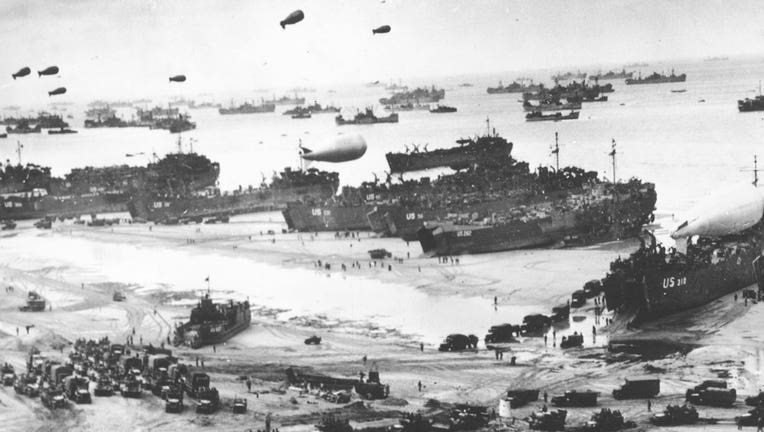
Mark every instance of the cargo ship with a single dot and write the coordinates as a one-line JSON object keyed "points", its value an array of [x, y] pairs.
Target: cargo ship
{"points": [[286, 100], [656, 78], [212, 323], [611, 75], [420, 95], [407, 107], [551, 106], [591, 213], [208, 202], [316, 108], [718, 251], [248, 108], [558, 116], [366, 117], [470, 151], [514, 87], [569, 76]]}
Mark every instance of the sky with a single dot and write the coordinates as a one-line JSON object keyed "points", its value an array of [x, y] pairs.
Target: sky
{"points": [[129, 48]]}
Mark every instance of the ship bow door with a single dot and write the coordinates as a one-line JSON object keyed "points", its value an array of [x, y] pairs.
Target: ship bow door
{"points": [[758, 271]]}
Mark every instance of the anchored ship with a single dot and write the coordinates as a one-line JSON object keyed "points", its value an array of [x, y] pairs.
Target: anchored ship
{"points": [[552, 106], [755, 104], [286, 100], [611, 75], [212, 323], [419, 95], [248, 108], [514, 87], [718, 252], [539, 116], [366, 117], [656, 78]]}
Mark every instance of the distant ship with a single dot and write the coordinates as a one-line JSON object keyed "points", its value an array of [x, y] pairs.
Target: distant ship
{"points": [[551, 106], [656, 78], [316, 108], [539, 116], [203, 105], [23, 127], [755, 104], [514, 87], [286, 100], [26, 125], [211, 323], [569, 76], [248, 108], [441, 109], [470, 151], [407, 107], [417, 96], [396, 87], [611, 75], [61, 131], [366, 117], [178, 124], [194, 204]]}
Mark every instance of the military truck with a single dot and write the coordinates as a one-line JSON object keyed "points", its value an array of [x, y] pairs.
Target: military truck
{"points": [[607, 421], [561, 313], [519, 398], [573, 398], [195, 382], [130, 386], [8, 374], [536, 324], [638, 388], [313, 340], [749, 419], [372, 388], [239, 406], [711, 396], [209, 400], [547, 421], [379, 254], [118, 296], [465, 417], [755, 401], [458, 342], [593, 288], [676, 415], [502, 333], [572, 341], [53, 397], [578, 299], [174, 401], [104, 386], [77, 389]]}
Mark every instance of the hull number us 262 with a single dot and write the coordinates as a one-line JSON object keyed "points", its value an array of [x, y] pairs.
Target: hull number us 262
{"points": [[674, 281]]}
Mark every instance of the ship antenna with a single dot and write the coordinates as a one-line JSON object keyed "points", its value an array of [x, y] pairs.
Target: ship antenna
{"points": [[19, 146], [487, 126], [556, 153], [180, 145], [612, 155]]}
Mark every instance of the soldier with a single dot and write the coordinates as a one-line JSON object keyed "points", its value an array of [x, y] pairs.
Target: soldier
{"points": [[249, 385], [546, 397], [419, 385]]}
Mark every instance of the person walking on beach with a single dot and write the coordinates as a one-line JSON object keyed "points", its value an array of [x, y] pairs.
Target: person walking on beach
{"points": [[249, 385], [419, 385]]}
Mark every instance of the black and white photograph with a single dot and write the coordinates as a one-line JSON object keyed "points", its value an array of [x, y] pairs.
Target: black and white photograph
{"points": [[381, 215]]}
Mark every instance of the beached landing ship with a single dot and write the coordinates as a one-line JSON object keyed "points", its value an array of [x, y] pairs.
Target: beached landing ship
{"points": [[657, 78], [718, 252], [366, 117], [470, 151], [212, 323]]}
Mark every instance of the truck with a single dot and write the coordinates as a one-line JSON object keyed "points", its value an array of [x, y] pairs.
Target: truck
{"points": [[547, 421], [104, 386], [536, 324], [571, 341], [593, 288], [502, 333], [174, 400], [53, 397], [676, 415], [712, 397], [573, 398], [608, 421], [130, 386], [458, 342], [638, 388], [8, 374], [195, 382], [372, 388], [521, 397], [77, 389], [561, 313], [239, 405], [209, 401], [578, 299]]}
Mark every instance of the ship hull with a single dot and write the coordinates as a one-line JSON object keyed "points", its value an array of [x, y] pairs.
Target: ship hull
{"points": [[309, 217], [392, 118], [552, 117], [17, 208], [455, 158], [674, 79]]}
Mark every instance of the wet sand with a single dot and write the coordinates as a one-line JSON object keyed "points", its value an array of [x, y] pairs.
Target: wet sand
{"points": [[525, 281]]}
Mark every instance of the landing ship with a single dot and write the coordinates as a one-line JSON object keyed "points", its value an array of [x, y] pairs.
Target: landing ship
{"points": [[718, 251], [213, 323]]}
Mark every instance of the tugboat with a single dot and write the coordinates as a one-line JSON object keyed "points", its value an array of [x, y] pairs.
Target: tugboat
{"points": [[248, 108], [539, 116], [366, 117], [656, 78], [440, 109], [35, 303], [212, 323]]}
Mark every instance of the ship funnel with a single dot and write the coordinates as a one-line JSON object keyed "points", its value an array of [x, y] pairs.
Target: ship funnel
{"points": [[725, 212]]}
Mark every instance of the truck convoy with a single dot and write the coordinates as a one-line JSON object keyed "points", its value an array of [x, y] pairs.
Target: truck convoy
{"points": [[638, 388]]}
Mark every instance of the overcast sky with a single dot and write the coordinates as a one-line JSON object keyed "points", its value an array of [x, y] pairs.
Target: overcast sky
{"points": [[127, 48]]}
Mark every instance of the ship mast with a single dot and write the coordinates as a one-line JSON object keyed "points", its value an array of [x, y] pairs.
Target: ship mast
{"points": [[755, 171], [612, 155], [556, 153], [19, 146]]}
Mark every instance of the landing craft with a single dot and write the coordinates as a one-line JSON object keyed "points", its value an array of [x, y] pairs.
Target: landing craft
{"points": [[51, 70], [728, 211], [382, 29], [22, 73], [293, 18], [343, 148], [58, 91], [178, 78]]}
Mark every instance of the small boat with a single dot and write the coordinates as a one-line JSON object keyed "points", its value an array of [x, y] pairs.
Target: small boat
{"points": [[440, 109], [3, 135], [302, 115], [539, 116], [61, 131], [678, 90]]}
